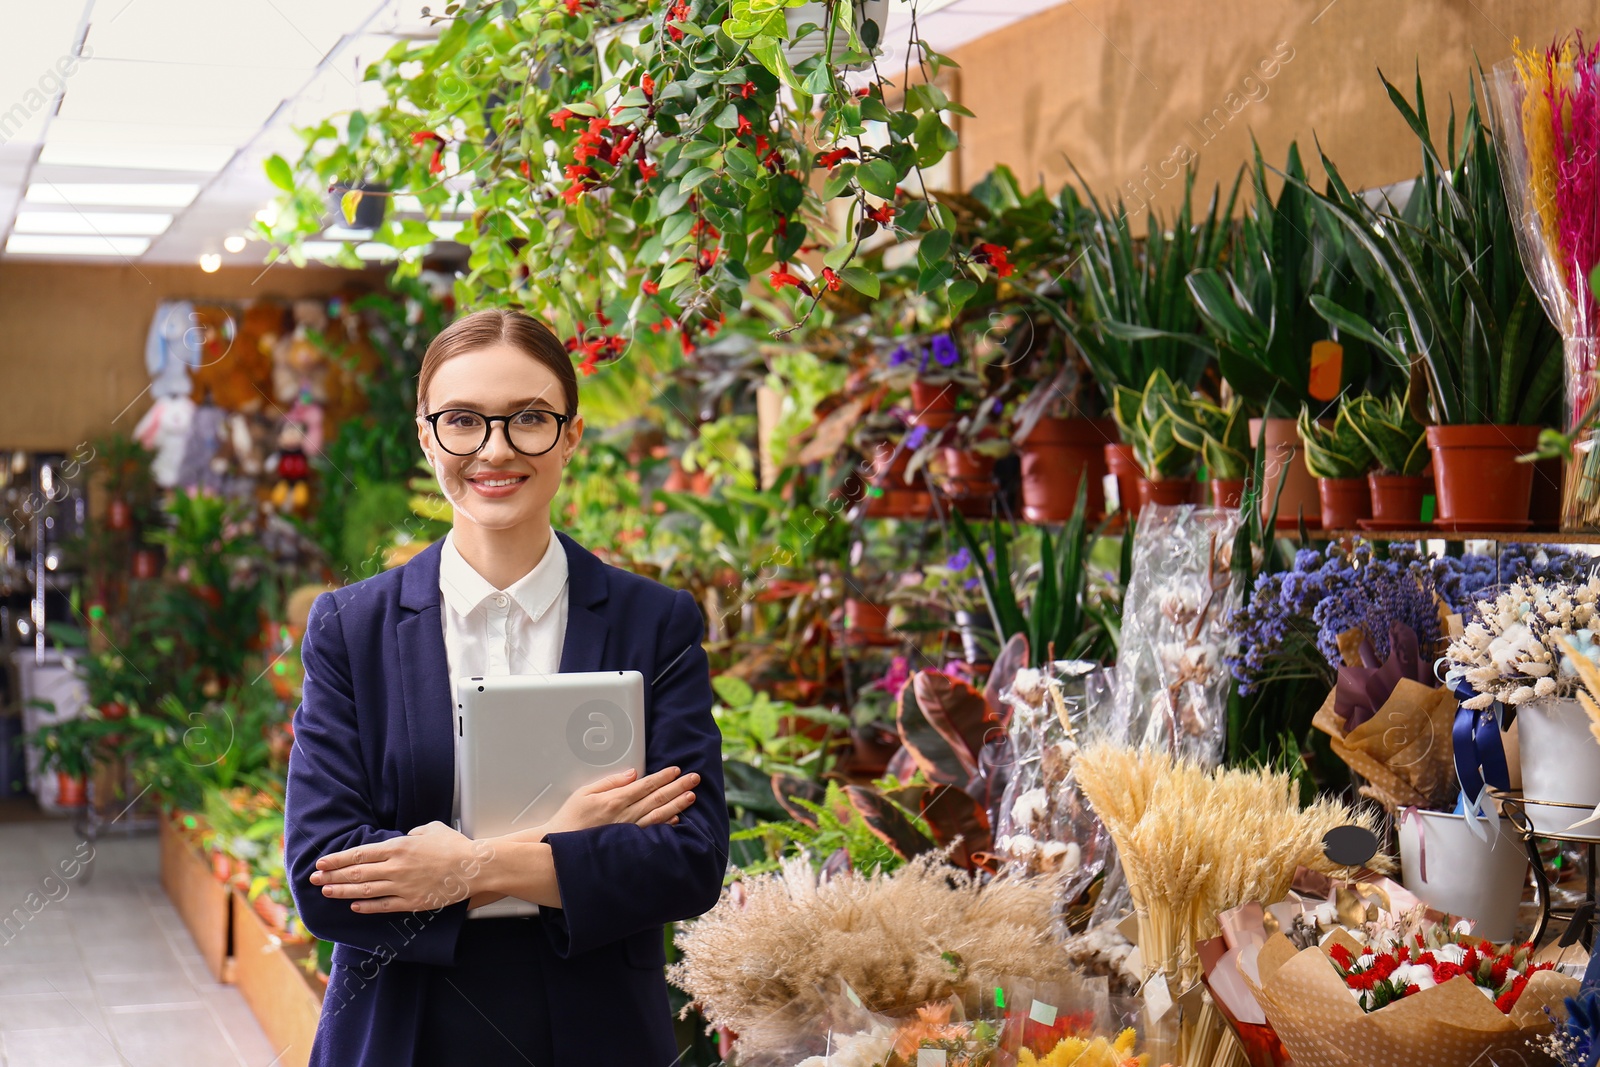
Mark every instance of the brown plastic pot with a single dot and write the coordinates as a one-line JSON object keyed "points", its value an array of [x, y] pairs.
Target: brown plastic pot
{"points": [[1168, 491], [931, 399], [1121, 463], [967, 478], [1227, 492], [119, 514], [1397, 497], [70, 790], [865, 617], [1345, 502], [1056, 456], [1286, 464], [888, 494], [1477, 476]]}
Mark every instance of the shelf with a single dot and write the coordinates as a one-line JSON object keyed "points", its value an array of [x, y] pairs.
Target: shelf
{"points": [[1428, 533]]}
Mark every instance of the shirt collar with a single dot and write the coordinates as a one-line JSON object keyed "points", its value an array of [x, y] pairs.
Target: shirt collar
{"points": [[466, 590]]}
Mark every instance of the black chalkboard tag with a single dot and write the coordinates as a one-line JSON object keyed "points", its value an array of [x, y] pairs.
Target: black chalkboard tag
{"points": [[1349, 846]]}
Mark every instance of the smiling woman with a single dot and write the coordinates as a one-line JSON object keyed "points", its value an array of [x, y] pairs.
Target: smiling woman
{"points": [[372, 798]]}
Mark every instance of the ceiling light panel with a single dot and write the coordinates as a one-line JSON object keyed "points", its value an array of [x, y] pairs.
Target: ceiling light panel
{"points": [[201, 158], [121, 223], [281, 33], [36, 62], [142, 133], [50, 244], [112, 194], [116, 90]]}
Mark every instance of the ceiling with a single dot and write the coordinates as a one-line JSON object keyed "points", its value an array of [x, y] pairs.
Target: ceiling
{"points": [[135, 130]]}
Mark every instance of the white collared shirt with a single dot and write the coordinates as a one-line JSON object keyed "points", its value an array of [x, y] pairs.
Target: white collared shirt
{"points": [[490, 632]]}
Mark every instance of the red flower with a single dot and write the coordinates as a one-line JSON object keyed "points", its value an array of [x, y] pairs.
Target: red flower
{"points": [[648, 84], [996, 257], [708, 259], [864, 91], [834, 158], [781, 277], [761, 144], [680, 11], [650, 287], [571, 193], [882, 214], [578, 170], [573, 6], [685, 343], [673, 32], [1341, 955], [830, 278], [744, 127], [559, 117], [647, 170], [747, 90], [436, 163], [523, 167]]}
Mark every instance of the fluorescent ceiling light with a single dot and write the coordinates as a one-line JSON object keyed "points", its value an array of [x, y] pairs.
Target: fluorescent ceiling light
{"points": [[117, 90], [53, 244], [114, 194], [197, 157], [138, 132], [446, 230], [284, 33], [409, 203], [345, 233], [93, 222], [374, 251], [321, 249]]}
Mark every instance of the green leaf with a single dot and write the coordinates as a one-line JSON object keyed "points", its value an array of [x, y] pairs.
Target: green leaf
{"points": [[696, 178], [676, 228], [348, 204], [935, 247], [861, 280], [278, 172], [962, 290], [878, 178], [819, 82], [676, 273], [727, 118]]}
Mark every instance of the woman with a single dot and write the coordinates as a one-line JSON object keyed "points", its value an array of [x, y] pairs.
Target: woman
{"points": [[373, 861]]}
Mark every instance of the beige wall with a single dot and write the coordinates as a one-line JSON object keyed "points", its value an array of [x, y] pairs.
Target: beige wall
{"points": [[1119, 86], [72, 338]]}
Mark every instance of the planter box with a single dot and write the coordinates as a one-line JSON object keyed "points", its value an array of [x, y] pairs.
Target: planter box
{"points": [[201, 900], [285, 999]]}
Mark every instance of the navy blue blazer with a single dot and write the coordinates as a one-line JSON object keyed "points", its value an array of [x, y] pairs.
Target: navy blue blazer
{"points": [[373, 758]]}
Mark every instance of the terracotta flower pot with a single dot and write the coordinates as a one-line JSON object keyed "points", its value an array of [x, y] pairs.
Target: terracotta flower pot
{"points": [[119, 515], [1397, 497], [865, 617], [1345, 502], [932, 397], [1545, 509], [1286, 464], [1120, 462], [1168, 491], [146, 563], [1226, 492], [1056, 456], [1479, 481], [967, 478], [888, 494], [113, 710], [70, 790]]}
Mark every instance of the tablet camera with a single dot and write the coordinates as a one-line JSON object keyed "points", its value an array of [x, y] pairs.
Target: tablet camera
{"points": [[599, 732]]}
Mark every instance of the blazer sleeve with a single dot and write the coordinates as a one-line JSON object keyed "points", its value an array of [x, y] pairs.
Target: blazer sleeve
{"points": [[327, 808], [600, 870]]}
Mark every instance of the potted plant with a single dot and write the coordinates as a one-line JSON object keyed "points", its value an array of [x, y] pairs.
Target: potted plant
{"points": [[936, 377], [1493, 362], [67, 747], [129, 486], [1339, 458], [1061, 449], [1147, 421], [1221, 434], [1399, 446], [1272, 347], [882, 438]]}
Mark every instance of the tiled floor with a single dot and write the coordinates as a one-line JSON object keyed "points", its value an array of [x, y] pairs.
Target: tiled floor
{"points": [[99, 970]]}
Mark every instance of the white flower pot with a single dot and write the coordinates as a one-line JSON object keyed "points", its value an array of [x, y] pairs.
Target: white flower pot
{"points": [[817, 14], [1473, 879], [1560, 763]]}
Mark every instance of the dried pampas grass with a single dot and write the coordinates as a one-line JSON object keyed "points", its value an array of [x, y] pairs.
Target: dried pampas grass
{"points": [[766, 967]]}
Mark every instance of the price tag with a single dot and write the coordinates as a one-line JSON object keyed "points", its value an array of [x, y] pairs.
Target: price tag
{"points": [[1108, 484], [852, 995], [1157, 999], [932, 1057], [1042, 1013]]}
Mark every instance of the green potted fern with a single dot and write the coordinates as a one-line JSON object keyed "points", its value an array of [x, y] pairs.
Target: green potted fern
{"points": [[1493, 361], [1399, 447], [1339, 457]]}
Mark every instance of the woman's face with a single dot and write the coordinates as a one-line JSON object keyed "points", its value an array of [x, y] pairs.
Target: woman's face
{"points": [[498, 487]]}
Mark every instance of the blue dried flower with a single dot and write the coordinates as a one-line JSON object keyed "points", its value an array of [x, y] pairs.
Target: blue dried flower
{"points": [[945, 351]]}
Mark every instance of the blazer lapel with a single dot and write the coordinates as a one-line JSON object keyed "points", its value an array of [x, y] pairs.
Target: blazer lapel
{"points": [[425, 682], [583, 645]]}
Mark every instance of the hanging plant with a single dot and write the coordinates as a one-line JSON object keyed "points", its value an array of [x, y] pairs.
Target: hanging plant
{"points": [[635, 165]]}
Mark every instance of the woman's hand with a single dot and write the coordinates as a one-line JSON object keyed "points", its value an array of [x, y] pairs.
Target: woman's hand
{"points": [[655, 798], [430, 867]]}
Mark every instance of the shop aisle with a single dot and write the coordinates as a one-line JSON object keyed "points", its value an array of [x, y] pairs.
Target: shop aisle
{"points": [[104, 973]]}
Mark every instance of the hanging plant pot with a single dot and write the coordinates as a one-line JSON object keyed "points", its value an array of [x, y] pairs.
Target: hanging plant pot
{"points": [[369, 210], [1286, 465], [119, 515], [1479, 481], [816, 13], [1227, 492], [1056, 457], [1168, 492], [1450, 869], [1122, 464], [1397, 498], [71, 791], [888, 494], [1560, 765], [146, 563], [1345, 502], [967, 478]]}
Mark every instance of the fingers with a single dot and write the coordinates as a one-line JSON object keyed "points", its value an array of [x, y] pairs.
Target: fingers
{"points": [[668, 811], [361, 872], [382, 887], [610, 781], [632, 794], [360, 854]]}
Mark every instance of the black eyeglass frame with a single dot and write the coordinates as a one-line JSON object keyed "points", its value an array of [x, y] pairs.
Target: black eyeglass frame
{"points": [[488, 429]]}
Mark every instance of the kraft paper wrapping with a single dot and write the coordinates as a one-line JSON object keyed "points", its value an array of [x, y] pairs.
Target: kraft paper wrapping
{"points": [[1450, 1025], [1404, 751]]}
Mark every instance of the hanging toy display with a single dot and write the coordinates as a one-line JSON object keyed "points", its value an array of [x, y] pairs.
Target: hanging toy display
{"points": [[291, 492]]}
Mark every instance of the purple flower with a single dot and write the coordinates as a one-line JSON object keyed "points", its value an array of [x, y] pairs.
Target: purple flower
{"points": [[960, 561], [918, 434], [901, 355], [945, 351], [971, 585]]}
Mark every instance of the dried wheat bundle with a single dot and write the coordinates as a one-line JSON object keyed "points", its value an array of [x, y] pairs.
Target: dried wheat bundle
{"points": [[766, 966]]}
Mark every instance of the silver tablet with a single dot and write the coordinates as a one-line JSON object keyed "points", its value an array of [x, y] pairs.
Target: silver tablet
{"points": [[525, 743]]}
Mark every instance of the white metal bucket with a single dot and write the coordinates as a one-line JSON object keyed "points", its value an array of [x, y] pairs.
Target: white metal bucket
{"points": [[1561, 764], [1469, 878]]}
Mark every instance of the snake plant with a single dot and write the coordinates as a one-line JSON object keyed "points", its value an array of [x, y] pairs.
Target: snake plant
{"points": [[1258, 309], [1336, 451], [1220, 433], [1148, 423], [1395, 438], [1450, 258]]}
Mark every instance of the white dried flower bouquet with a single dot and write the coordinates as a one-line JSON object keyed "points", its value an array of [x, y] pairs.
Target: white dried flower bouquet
{"points": [[1510, 651]]}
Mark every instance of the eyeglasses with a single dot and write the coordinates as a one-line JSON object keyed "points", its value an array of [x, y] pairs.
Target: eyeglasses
{"points": [[463, 432]]}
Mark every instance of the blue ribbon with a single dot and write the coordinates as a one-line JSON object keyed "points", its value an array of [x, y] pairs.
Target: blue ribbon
{"points": [[1480, 754]]}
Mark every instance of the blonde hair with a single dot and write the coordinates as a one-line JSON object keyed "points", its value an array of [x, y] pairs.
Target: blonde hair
{"points": [[492, 326]]}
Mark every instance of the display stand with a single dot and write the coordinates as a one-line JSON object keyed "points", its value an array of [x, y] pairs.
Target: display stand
{"points": [[1512, 807]]}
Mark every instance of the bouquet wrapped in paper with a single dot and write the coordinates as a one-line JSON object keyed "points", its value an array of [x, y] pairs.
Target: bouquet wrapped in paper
{"points": [[1447, 1001]]}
